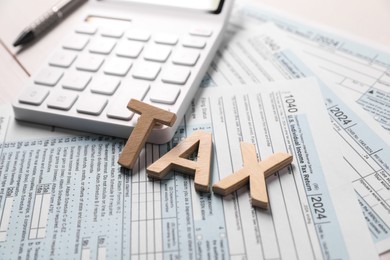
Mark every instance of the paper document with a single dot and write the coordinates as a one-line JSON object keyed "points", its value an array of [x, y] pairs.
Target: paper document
{"points": [[67, 198], [263, 54], [361, 71]]}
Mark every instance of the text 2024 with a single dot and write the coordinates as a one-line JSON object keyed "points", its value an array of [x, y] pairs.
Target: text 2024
{"points": [[340, 115], [318, 207]]}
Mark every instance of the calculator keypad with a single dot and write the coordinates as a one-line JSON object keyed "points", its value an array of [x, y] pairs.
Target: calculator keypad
{"points": [[97, 70]]}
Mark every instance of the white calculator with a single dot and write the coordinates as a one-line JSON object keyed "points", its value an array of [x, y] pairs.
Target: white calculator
{"points": [[152, 50]]}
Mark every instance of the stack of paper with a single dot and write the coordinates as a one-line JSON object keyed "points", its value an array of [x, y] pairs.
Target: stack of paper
{"points": [[299, 91]]}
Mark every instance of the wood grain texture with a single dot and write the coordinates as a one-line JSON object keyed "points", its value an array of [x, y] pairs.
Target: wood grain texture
{"points": [[255, 173], [177, 159], [13, 77], [150, 116]]}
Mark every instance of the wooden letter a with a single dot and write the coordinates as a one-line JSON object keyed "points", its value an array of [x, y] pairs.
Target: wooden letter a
{"points": [[253, 172], [150, 116], [176, 159]]}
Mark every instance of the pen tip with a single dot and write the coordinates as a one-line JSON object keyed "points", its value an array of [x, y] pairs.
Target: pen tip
{"points": [[16, 43], [24, 37]]}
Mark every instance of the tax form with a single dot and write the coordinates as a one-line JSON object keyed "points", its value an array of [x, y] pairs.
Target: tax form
{"points": [[360, 71], [263, 54], [67, 198]]}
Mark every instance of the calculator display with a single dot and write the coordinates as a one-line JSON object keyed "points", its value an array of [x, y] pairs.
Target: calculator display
{"points": [[213, 6]]}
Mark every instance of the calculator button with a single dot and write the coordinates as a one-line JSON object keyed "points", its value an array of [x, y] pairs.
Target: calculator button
{"points": [[192, 42], [157, 53], [102, 45], [105, 85], [86, 28], [146, 70], [163, 38], [175, 75], [201, 32], [62, 100], [75, 42], [118, 109], [89, 62], [48, 77], [117, 66], [165, 94], [76, 80], [85, 106], [186, 57], [62, 59], [129, 49], [33, 95], [138, 35], [111, 32]]}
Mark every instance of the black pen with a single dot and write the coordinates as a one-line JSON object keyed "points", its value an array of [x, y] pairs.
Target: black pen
{"points": [[51, 17]]}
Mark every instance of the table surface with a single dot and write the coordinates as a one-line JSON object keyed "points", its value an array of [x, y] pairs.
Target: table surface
{"points": [[365, 19]]}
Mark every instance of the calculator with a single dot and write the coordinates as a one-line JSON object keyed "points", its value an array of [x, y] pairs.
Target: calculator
{"points": [[150, 50]]}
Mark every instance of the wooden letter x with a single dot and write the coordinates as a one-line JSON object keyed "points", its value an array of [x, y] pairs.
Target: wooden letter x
{"points": [[150, 116], [253, 172], [176, 159]]}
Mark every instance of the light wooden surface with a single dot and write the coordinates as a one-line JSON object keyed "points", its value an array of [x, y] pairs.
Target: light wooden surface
{"points": [[366, 19], [177, 159], [12, 75]]}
